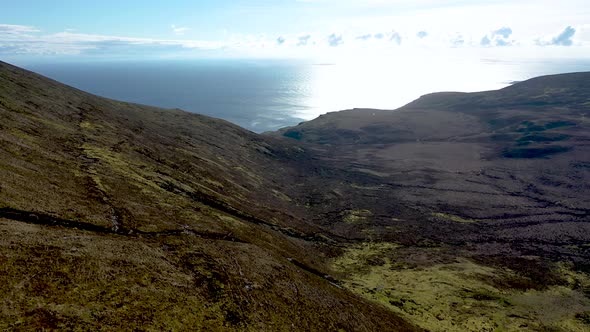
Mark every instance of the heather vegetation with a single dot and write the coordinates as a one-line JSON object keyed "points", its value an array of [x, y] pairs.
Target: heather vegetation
{"points": [[457, 212]]}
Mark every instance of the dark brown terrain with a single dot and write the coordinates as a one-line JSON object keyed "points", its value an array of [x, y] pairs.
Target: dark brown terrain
{"points": [[456, 212]]}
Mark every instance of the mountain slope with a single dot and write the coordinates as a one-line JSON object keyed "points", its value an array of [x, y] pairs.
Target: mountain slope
{"points": [[525, 146], [457, 212], [121, 216], [498, 179]]}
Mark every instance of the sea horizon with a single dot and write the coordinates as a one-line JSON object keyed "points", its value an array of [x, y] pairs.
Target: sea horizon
{"points": [[266, 95]]}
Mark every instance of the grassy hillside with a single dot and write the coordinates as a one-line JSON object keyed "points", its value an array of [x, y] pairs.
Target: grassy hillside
{"points": [[457, 212], [122, 216]]}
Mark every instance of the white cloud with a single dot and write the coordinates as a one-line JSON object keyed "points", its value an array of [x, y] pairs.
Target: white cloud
{"points": [[504, 32], [335, 40], [457, 41], [28, 40], [303, 40], [479, 28], [364, 37], [16, 29], [564, 38], [499, 37], [179, 30], [473, 19], [395, 37]]}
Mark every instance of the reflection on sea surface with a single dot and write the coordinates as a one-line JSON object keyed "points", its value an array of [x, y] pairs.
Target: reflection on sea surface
{"points": [[264, 95]]}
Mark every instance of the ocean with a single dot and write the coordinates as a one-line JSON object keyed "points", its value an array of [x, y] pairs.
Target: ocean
{"points": [[265, 95]]}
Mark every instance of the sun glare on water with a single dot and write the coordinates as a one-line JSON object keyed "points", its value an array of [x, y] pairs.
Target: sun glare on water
{"points": [[391, 83]]}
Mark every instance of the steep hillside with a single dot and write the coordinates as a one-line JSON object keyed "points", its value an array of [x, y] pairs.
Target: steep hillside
{"points": [[457, 212], [121, 216]]}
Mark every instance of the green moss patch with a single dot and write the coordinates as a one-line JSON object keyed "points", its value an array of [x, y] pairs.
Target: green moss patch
{"points": [[456, 296], [356, 216]]}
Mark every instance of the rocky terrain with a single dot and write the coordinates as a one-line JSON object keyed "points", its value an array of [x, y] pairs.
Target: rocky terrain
{"points": [[456, 212]]}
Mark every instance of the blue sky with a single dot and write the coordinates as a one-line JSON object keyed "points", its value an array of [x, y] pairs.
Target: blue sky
{"points": [[108, 29]]}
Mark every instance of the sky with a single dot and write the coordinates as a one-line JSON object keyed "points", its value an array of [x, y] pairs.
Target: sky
{"points": [[73, 30]]}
